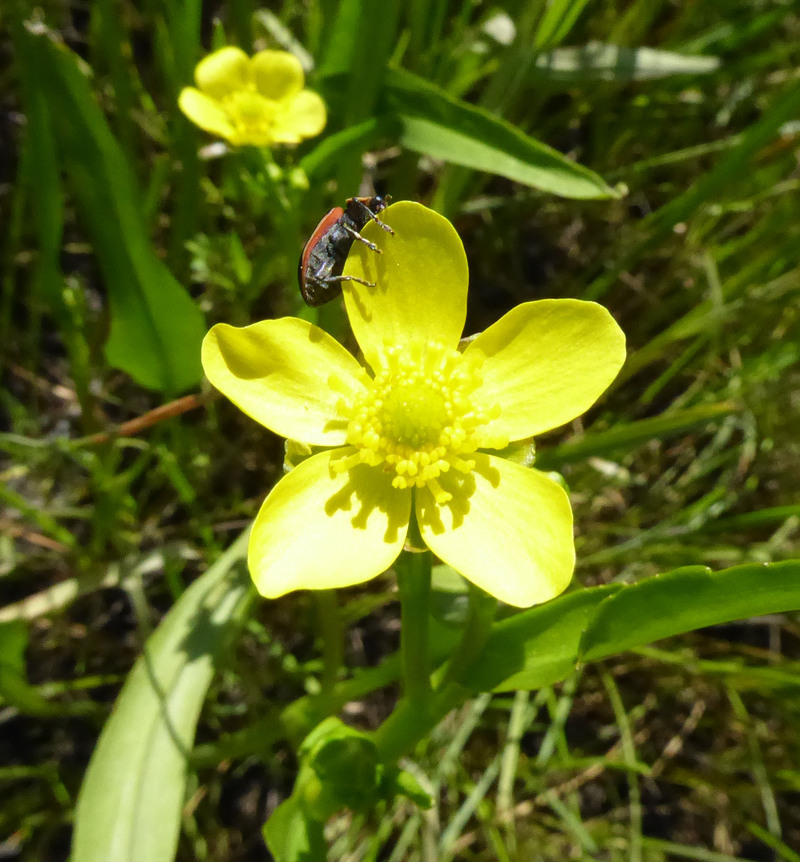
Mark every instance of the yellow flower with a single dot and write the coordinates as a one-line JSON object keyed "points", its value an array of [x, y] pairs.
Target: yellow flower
{"points": [[256, 100], [409, 432]]}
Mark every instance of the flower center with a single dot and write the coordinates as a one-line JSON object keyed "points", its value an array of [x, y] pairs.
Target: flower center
{"points": [[251, 114], [417, 417], [413, 415]]}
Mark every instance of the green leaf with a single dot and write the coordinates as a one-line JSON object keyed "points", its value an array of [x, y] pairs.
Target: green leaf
{"points": [[14, 686], [688, 599], [48, 201], [319, 163], [129, 807], [292, 836], [600, 62], [438, 125], [156, 328], [449, 596], [538, 647], [341, 769], [341, 43], [13, 643], [559, 18], [358, 44], [543, 645]]}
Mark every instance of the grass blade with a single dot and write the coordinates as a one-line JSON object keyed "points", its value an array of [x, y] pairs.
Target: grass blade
{"points": [[624, 438], [558, 19]]}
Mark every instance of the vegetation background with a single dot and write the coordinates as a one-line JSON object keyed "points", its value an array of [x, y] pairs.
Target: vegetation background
{"points": [[685, 750]]}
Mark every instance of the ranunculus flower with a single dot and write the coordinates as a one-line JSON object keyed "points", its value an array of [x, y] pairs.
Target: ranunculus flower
{"points": [[256, 100], [410, 432]]}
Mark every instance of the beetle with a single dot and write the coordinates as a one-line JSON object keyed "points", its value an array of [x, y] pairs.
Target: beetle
{"points": [[319, 272]]}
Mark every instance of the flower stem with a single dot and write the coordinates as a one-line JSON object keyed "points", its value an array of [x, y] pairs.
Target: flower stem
{"points": [[409, 723], [332, 634], [414, 580]]}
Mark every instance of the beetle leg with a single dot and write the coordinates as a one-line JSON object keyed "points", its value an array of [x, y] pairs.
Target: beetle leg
{"points": [[350, 278], [356, 235], [373, 216], [382, 224]]}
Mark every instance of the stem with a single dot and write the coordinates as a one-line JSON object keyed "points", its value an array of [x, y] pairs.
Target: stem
{"points": [[413, 719], [414, 580], [408, 724], [332, 636]]}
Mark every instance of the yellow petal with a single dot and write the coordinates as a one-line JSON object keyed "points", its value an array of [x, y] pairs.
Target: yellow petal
{"points": [[302, 116], [204, 112], [277, 74], [280, 372], [546, 363], [511, 536], [316, 531], [223, 72], [420, 291]]}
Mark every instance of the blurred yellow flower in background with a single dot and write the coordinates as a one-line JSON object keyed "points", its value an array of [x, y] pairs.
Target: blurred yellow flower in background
{"points": [[257, 101], [406, 435]]}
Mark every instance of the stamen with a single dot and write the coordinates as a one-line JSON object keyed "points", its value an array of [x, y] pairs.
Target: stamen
{"points": [[417, 417], [346, 462], [439, 494], [461, 465]]}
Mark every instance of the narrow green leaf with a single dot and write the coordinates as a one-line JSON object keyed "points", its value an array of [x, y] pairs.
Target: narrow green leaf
{"points": [[543, 645], [624, 438], [48, 202], [156, 328], [724, 176], [375, 40], [15, 689], [689, 599], [37, 514], [559, 18], [782, 850], [753, 520], [600, 62], [13, 643], [359, 46], [662, 849], [129, 807], [440, 126], [341, 30], [320, 162]]}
